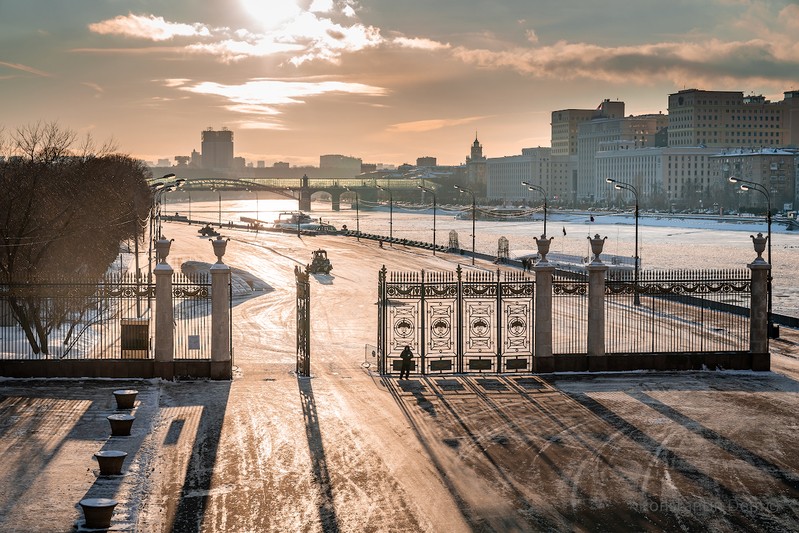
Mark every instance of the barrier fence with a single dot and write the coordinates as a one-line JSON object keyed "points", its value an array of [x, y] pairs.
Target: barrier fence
{"points": [[486, 322], [102, 318]]}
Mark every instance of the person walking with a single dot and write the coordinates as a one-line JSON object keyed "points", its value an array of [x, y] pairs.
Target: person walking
{"points": [[407, 357]]}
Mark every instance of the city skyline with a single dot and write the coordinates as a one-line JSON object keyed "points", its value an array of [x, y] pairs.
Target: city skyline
{"points": [[383, 81]]}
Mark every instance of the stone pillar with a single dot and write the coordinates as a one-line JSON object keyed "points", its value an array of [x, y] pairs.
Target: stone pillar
{"points": [[596, 307], [758, 317], [164, 319], [221, 357], [543, 360]]}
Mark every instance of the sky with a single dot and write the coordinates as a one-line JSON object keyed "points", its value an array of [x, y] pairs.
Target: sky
{"points": [[384, 80]]}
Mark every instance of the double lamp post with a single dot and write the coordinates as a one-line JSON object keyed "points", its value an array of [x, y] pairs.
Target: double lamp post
{"points": [[619, 185]]}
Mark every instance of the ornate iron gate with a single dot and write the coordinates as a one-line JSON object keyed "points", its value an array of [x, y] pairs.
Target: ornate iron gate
{"points": [[303, 323], [480, 322]]}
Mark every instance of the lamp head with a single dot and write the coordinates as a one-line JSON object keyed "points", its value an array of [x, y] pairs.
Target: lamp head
{"points": [[745, 187], [732, 179], [617, 187], [610, 180]]}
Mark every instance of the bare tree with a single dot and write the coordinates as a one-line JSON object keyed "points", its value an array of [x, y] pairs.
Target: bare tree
{"points": [[63, 214]]}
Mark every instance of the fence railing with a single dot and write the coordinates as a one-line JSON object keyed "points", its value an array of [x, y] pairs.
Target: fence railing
{"points": [[569, 314], [110, 317], [484, 322], [191, 306], [677, 311]]}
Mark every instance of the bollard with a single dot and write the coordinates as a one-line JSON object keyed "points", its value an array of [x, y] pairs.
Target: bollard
{"points": [[120, 424], [126, 398], [98, 512], [110, 462]]}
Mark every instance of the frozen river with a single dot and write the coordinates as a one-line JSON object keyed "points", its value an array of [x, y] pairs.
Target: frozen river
{"points": [[664, 243]]}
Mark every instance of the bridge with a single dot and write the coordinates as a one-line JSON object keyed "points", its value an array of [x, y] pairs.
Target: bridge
{"points": [[303, 189]]}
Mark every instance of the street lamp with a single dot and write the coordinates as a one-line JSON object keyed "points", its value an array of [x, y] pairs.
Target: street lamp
{"points": [[773, 332], [619, 185], [357, 214], [531, 187], [257, 209], [474, 209], [425, 189], [390, 214]]}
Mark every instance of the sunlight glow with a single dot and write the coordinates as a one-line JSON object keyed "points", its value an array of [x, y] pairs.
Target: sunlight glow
{"points": [[271, 15]]}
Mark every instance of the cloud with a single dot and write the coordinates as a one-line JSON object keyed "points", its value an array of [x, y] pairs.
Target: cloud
{"points": [[420, 43], [264, 96], [321, 6], [680, 62], [300, 36], [420, 126], [26, 68], [148, 27]]}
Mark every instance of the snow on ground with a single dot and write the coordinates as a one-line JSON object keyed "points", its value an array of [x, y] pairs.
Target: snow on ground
{"points": [[346, 450]]}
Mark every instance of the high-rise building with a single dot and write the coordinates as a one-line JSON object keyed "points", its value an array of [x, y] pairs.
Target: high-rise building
{"points": [[426, 161], [730, 119], [634, 131], [504, 175], [336, 165], [217, 149], [564, 148], [775, 169]]}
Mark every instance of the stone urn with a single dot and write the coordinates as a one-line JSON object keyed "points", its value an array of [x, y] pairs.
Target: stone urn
{"points": [[220, 244], [162, 249], [760, 245], [597, 244], [543, 247]]}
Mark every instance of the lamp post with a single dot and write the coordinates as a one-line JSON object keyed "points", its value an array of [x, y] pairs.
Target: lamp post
{"points": [[531, 187], [425, 189], [357, 214], [773, 332], [619, 185], [257, 209], [474, 209], [390, 214]]}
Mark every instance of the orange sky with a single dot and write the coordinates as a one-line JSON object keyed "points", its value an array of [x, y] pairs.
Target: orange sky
{"points": [[383, 80]]}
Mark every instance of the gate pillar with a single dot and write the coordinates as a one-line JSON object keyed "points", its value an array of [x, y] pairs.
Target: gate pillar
{"points": [[596, 315], [221, 357], [164, 322], [759, 317], [543, 360]]}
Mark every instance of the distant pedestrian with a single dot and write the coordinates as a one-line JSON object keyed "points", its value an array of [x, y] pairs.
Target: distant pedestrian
{"points": [[407, 357]]}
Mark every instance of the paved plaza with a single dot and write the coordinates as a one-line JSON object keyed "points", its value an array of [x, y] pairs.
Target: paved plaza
{"points": [[347, 450]]}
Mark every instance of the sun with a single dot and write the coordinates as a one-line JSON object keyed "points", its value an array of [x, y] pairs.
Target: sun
{"points": [[271, 14]]}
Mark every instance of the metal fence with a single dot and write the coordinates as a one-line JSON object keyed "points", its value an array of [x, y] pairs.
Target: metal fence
{"points": [[75, 318], [569, 313], [111, 317], [677, 311], [191, 306]]}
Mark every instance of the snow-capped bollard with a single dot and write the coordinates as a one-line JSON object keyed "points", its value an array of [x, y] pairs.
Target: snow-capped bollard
{"points": [[121, 424], [110, 462], [98, 512], [126, 398]]}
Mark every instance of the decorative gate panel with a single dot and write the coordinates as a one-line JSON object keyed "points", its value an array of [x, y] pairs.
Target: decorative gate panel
{"points": [[483, 323], [440, 334], [516, 298]]}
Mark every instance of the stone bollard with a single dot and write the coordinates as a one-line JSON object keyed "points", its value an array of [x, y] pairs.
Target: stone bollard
{"points": [[98, 512], [121, 424], [126, 398], [110, 462]]}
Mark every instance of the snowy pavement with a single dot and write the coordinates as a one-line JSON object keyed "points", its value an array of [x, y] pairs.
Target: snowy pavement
{"points": [[346, 450]]}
